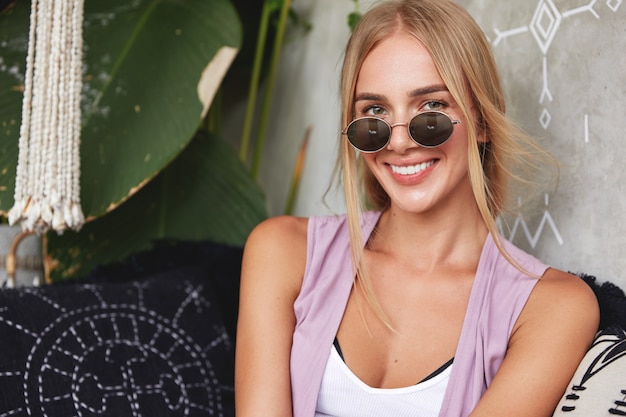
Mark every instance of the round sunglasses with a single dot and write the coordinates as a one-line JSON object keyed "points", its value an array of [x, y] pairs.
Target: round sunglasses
{"points": [[371, 134]]}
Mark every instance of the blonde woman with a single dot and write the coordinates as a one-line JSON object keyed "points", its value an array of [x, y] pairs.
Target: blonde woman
{"points": [[414, 306]]}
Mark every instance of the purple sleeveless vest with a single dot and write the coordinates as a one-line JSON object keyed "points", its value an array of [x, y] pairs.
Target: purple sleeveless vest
{"points": [[498, 295]]}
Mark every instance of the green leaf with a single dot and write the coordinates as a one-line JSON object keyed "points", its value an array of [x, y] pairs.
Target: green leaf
{"points": [[275, 5], [353, 19], [206, 194], [13, 40], [144, 61]]}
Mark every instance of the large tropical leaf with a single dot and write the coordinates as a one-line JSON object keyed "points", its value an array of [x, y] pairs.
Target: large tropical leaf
{"points": [[206, 194], [13, 35], [151, 69], [144, 62]]}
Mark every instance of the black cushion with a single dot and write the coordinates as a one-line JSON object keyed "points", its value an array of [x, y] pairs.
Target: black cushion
{"points": [[221, 263], [611, 299], [148, 347]]}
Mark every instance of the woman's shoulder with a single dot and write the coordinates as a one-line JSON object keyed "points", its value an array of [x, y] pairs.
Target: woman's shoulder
{"points": [[294, 230], [274, 257], [571, 289], [561, 297], [282, 225], [286, 234]]}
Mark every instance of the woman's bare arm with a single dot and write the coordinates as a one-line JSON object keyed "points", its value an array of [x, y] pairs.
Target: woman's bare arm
{"points": [[551, 336], [272, 270]]}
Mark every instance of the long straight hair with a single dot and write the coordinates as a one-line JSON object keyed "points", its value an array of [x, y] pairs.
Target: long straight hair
{"points": [[463, 57]]}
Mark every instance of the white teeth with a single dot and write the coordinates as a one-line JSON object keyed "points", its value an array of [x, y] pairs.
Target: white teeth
{"points": [[411, 169]]}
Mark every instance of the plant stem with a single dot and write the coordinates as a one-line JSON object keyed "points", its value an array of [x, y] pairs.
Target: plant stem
{"points": [[271, 77], [254, 81], [297, 173]]}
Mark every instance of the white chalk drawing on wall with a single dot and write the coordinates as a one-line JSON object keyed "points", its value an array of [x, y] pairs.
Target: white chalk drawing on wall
{"points": [[543, 26], [533, 238]]}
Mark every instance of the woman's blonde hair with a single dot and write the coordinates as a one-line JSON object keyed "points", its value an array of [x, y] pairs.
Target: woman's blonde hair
{"points": [[463, 57]]}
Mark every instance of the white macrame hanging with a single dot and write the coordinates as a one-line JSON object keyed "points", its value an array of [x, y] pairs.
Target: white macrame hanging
{"points": [[47, 188]]}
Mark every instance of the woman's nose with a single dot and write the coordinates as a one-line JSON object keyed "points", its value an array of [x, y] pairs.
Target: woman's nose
{"points": [[400, 140]]}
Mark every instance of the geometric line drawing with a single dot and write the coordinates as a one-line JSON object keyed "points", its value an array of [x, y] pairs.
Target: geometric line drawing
{"points": [[508, 33], [545, 118], [582, 9], [614, 4], [545, 92], [534, 238], [545, 24]]}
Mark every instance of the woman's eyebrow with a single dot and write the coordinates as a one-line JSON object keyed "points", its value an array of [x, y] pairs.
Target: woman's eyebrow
{"points": [[369, 97], [437, 88]]}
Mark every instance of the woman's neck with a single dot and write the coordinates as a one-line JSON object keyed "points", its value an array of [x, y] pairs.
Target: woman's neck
{"points": [[433, 239]]}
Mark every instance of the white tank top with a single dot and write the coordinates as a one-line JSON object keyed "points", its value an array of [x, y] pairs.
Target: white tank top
{"points": [[343, 394]]}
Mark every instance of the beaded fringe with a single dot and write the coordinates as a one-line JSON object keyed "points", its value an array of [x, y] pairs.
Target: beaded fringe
{"points": [[47, 187]]}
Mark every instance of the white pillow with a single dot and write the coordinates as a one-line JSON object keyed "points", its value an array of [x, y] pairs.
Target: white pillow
{"points": [[598, 388]]}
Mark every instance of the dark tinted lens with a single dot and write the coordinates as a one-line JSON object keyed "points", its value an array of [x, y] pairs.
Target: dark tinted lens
{"points": [[368, 134], [430, 129]]}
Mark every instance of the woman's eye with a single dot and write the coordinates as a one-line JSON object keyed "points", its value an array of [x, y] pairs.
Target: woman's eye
{"points": [[374, 111], [434, 105]]}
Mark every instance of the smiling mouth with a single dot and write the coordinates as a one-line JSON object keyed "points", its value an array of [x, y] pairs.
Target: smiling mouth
{"points": [[411, 169]]}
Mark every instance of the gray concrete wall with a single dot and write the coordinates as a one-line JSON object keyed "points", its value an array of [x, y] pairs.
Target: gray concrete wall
{"points": [[563, 67]]}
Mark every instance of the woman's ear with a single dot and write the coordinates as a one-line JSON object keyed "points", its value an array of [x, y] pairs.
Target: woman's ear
{"points": [[481, 136], [481, 132], [483, 141]]}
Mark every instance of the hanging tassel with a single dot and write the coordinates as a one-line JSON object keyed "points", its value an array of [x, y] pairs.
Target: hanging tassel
{"points": [[47, 187]]}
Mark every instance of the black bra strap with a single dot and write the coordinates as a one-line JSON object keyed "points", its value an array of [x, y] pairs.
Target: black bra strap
{"points": [[336, 344], [430, 376], [438, 371]]}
